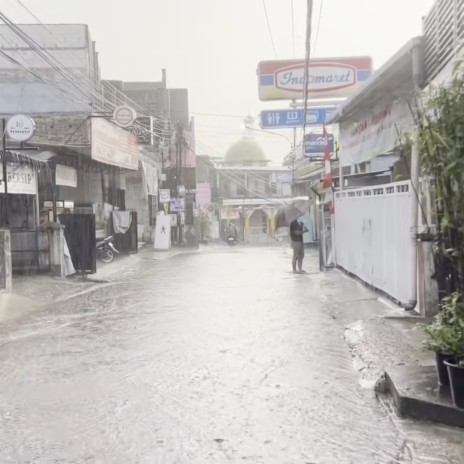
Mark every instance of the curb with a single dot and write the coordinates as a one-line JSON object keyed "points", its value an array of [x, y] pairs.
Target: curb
{"points": [[416, 394]]}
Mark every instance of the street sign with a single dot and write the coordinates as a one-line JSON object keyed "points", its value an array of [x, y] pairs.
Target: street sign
{"points": [[315, 144], [293, 117]]}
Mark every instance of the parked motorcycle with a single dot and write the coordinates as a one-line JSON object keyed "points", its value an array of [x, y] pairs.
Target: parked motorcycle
{"points": [[106, 250]]}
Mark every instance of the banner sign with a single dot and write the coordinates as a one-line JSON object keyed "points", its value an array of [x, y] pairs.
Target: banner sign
{"points": [[113, 145], [315, 144], [164, 195], [66, 175], [275, 119], [328, 78], [373, 132], [21, 179]]}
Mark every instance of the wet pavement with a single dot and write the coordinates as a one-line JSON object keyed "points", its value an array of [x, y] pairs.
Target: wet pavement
{"points": [[213, 357]]}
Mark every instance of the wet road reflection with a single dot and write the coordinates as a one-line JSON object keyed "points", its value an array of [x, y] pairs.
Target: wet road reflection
{"points": [[206, 358]]}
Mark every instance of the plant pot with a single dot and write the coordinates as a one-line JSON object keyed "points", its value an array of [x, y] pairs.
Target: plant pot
{"points": [[456, 377], [442, 369]]}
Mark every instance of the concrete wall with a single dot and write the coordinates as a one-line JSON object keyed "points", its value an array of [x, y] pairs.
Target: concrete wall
{"points": [[5, 262]]}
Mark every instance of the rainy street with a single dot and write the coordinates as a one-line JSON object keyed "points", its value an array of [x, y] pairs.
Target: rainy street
{"points": [[218, 356]]}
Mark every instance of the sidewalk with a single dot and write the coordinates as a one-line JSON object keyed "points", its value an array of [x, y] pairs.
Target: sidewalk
{"points": [[386, 345]]}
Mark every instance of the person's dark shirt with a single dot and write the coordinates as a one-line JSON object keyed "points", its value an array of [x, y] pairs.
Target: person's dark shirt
{"points": [[296, 231]]}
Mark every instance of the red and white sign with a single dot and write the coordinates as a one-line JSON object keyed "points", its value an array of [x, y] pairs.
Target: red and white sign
{"points": [[327, 77], [373, 132], [113, 145]]}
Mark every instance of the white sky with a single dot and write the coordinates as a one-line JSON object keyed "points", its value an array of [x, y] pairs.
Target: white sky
{"points": [[212, 47]]}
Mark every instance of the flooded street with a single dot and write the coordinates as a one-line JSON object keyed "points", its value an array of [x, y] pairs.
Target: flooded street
{"points": [[211, 357]]}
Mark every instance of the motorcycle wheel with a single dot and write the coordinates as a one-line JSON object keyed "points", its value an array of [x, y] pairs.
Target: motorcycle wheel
{"points": [[107, 256]]}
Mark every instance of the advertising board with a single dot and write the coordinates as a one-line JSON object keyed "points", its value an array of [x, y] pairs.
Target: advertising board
{"points": [[328, 78]]}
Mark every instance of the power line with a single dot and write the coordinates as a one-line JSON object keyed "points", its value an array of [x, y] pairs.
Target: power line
{"points": [[293, 28], [309, 15], [219, 115], [49, 59], [318, 24], [99, 96], [39, 76], [269, 28]]}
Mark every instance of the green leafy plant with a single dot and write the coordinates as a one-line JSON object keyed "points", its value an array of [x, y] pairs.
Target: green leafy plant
{"points": [[441, 146], [445, 334]]}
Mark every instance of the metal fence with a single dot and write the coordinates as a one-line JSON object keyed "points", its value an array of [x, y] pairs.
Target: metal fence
{"points": [[443, 30], [29, 250], [372, 226]]}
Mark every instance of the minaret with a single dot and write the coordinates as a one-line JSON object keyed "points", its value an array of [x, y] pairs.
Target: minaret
{"points": [[248, 127]]}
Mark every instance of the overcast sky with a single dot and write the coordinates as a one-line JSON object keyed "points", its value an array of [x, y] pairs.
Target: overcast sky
{"points": [[212, 47]]}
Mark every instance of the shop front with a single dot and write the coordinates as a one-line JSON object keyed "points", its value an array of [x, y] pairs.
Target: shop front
{"points": [[19, 213]]}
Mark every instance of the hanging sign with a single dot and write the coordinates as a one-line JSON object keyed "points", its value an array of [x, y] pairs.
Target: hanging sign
{"points": [[21, 179], [164, 195], [66, 175], [124, 116], [20, 128]]}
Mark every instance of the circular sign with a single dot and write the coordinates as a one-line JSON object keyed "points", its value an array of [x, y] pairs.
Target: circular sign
{"points": [[20, 128], [124, 116]]}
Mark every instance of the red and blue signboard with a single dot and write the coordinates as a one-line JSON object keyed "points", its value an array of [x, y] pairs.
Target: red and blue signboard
{"points": [[327, 78]]}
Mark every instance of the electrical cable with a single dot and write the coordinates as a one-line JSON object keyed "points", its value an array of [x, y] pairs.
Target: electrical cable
{"points": [[293, 27], [39, 76], [47, 57], [123, 100], [307, 57], [318, 25], [269, 28]]}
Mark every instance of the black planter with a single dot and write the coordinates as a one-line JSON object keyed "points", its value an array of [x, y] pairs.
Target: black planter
{"points": [[442, 369], [456, 377]]}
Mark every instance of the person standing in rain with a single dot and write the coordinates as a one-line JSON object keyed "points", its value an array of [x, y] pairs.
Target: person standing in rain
{"points": [[297, 229]]}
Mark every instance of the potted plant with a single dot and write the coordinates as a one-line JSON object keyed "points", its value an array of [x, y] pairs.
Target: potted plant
{"points": [[445, 336], [438, 337]]}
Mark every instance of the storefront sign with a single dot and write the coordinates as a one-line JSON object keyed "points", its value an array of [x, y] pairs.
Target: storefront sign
{"points": [[66, 175], [315, 144], [328, 77], [373, 132], [124, 116], [178, 205], [113, 145], [164, 195], [20, 128], [21, 179]]}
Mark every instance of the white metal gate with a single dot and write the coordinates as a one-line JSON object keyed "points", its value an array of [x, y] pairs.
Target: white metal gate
{"points": [[372, 226]]}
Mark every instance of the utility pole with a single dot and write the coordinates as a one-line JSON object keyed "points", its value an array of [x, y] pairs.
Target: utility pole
{"points": [[6, 215]]}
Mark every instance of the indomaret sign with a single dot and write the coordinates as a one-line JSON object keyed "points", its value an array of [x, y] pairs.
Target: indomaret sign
{"points": [[327, 78]]}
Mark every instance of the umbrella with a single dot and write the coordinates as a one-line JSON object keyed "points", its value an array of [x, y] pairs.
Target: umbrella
{"points": [[288, 213]]}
